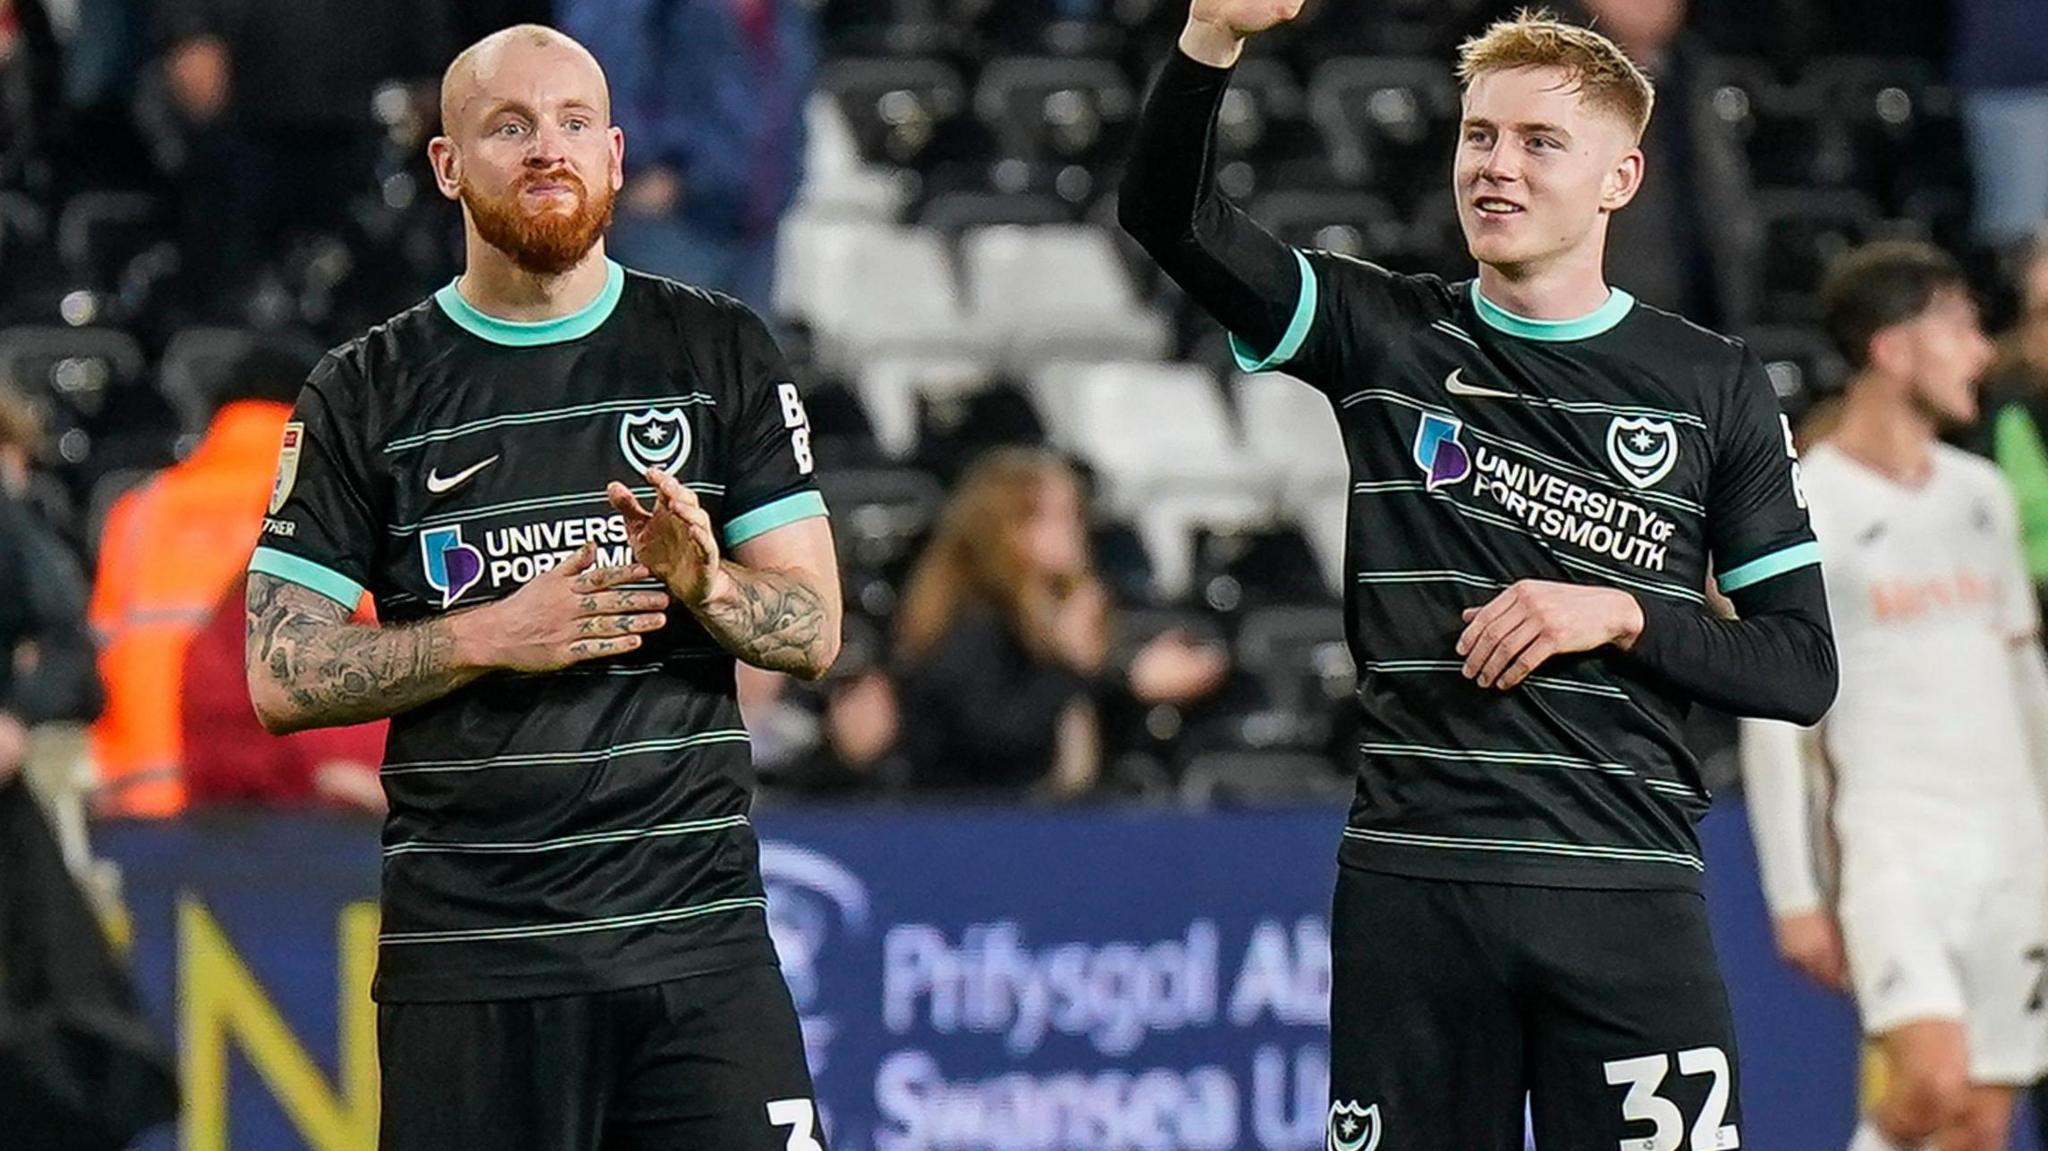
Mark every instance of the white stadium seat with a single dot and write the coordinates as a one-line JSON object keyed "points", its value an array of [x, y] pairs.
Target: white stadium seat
{"points": [[1057, 290]]}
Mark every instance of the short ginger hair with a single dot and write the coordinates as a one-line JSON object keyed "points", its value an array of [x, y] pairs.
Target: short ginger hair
{"points": [[1604, 75]]}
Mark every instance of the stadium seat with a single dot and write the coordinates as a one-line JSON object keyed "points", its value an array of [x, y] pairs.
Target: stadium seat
{"points": [[1299, 653], [100, 233], [1056, 291], [956, 428], [1153, 432], [890, 388], [1350, 223], [1386, 120], [1291, 430], [1059, 111], [193, 364], [1123, 563], [874, 290], [1264, 139], [1804, 231], [1229, 779], [1785, 130], [880, 515], [1237, 568], [953, 213], [838, 181], [896, 109], [82, 370], [1802, 363], [1174, 508], [1323, 512]]}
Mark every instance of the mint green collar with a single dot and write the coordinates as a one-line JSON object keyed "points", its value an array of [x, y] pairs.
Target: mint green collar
{"points": [[531, 333], [1591, 324]]}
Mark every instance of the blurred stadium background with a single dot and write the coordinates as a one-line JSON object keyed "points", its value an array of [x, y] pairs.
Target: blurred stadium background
{"points": [[948, 279]]}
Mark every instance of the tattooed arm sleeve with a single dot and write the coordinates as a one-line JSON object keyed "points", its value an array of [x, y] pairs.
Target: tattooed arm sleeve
{"points": [[309, 666], [783, 607]]}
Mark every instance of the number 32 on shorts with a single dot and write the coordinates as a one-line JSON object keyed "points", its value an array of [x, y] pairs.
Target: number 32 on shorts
{"points": [[1643, 1076], [801, 1117]]}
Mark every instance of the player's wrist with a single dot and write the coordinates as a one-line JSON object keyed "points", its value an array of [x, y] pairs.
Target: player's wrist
{"points": [[1628, 621], [1211, 44]]}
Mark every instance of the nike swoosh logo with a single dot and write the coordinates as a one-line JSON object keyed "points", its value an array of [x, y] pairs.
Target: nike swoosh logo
{"points": [[1459, 387], [439, 485]]}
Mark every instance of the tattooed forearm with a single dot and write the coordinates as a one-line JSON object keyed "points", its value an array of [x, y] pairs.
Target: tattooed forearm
{"points": [[773, 619], [310, 667]]}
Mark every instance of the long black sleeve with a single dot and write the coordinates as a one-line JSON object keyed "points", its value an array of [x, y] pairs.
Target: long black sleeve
{"points": [[1776, 661], [1170, 204]]}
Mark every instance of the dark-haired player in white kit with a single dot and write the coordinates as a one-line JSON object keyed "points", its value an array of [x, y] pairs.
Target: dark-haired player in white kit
{"points": [[575, 950], [1544, 474]]}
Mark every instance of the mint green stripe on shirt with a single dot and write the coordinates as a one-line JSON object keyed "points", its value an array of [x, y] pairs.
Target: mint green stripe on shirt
{"points": [[1776, 564], [306, 573], [768, 517], [1297, 328]]}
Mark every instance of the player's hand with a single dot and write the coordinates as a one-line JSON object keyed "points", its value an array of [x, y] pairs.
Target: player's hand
{"points": [[674, 538], [1505, 641], [1811, 942], [572, 612], [1243, 18]]}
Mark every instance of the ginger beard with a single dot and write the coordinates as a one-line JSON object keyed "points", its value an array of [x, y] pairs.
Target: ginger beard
{"points": [[548, 240]]}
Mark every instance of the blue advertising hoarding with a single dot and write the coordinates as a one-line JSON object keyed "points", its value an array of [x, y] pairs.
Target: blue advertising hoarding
{"points": [[1107, 980]]}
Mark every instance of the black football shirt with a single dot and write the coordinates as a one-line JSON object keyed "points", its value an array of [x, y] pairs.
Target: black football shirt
{"points": [[581, 830], [1629, 448]]}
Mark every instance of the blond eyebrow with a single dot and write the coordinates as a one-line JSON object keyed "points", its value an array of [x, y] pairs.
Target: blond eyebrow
{"points": [[1526, 128]]}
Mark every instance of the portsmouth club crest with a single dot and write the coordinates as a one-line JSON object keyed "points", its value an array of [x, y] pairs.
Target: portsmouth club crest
{"points": [[1353, 1128], [1642, 449], [655, 438]]}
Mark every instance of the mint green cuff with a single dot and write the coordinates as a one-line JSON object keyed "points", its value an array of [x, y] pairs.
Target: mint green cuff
{"points": [[307, 574], [1297, 328], [1777, 563], [768, 517]]}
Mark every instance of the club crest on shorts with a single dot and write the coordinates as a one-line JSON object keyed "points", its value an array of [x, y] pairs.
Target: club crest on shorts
{"points": [[656, 438], [1353, 1128], [287, 464], [1642, 449]]}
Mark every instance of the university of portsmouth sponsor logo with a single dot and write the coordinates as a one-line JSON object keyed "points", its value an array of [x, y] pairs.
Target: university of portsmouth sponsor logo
{"points": [[1353, 1128], [452, 567], [1559, 507], [655, 438], [1438, 453], [1642, 449]]}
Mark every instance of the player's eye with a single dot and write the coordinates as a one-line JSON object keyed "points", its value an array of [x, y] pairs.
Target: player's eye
{"points": [[1541, 143], [509, 129], [1477, 136], [576, 124]]}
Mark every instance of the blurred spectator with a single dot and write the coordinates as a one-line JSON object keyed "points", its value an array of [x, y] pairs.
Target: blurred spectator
{"points": [[168, 552], [2001, 68], [1003, 639], [283, 136], [31, 67], [1691, 240], [710, 95], [46, 665], [230, 758], [2015, 409]]}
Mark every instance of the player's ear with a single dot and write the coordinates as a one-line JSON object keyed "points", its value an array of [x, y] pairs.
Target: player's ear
{"points": [[447, 164], [1891, 352], [618, 173], [1623, 180]]}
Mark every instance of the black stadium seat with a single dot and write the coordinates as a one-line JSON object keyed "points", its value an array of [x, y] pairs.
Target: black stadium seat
{"points": [[83, 371], [1804, 231], [1051, 111], [1352, 223], [899, 110], [100, 233], [1389, 121]]}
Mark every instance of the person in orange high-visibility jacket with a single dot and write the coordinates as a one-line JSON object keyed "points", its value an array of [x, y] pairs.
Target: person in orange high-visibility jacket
{"points": [[170, 548]]}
